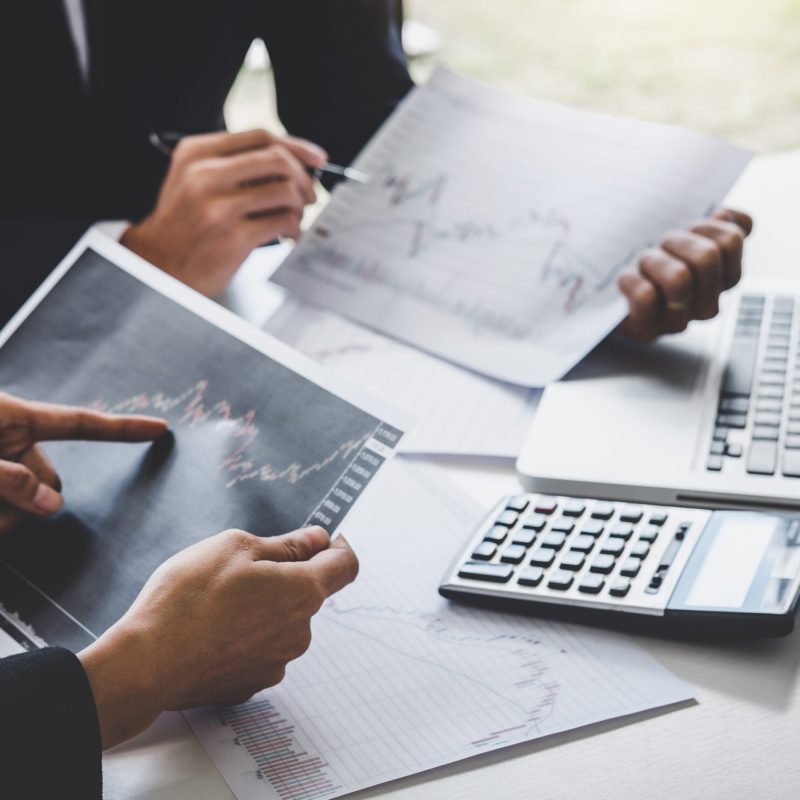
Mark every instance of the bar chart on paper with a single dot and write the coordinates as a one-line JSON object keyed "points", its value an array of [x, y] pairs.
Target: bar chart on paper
{"points": [[399, 681], [494, 227]]}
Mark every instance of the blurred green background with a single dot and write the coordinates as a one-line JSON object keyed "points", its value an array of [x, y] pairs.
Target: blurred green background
{"points": [[727, 67]]}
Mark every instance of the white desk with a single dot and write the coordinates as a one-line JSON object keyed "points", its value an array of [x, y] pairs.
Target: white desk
{"points": [[742, 739]]}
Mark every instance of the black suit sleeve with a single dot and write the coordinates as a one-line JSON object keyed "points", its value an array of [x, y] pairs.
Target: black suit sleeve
{"points": [[49, 733], [339, 69]]}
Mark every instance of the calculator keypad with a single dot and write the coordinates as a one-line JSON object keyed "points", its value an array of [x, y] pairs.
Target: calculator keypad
{"points": [[562, 546]]}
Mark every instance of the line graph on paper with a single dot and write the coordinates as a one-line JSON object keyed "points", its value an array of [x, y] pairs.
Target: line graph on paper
{"points": [[253, 445], [494, 228], [192, 409], [398, 680]]}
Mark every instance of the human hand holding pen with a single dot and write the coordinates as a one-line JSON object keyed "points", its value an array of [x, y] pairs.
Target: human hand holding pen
{"points": [[224, 195], [29, 486]]}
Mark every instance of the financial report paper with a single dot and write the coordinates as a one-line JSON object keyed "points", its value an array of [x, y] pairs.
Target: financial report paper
{"points": [[398, 680], [494, 227], [457, 411], [261, 438]]}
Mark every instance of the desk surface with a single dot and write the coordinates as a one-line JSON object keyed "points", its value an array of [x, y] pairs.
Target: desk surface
{"points": [[740, 740]]}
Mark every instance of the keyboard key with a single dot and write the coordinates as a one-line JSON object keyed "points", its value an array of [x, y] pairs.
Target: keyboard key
{"points": [[767, 434], [531, 576], [561, 580], [769, 418], [535, 522], [714, 463], [592, 527], [513, 554], [591, 583], [613, 546], [631, 567], [563, 525], [620, 587], [603, 511], [545, 505], [582, 544], [733, 450], [762, 457], [770, 392], [518, 503], [603, 564], [772, 379], [631, 514], [525, 537], [792, 443], [507, 518], [717, 448], [732, 420], [740, 369], [484, 551], [649, 534], [737, 405], [572, 560], [573, 508], [496, 534], [658, 518], [543, 557], [720, 434], [768, 405], [553, 540], [621, 530], [496, 573], [640, 549], [790, 466], [793, 429]]}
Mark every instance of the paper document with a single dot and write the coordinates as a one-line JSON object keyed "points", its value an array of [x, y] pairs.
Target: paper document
{"points": [[457, 412], [260, 437], [398, 680], [494, 227]]}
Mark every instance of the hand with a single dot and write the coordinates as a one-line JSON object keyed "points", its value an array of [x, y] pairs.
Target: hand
{"points": [[224, 195], [214, 624], [28, 483], [682, 279]]}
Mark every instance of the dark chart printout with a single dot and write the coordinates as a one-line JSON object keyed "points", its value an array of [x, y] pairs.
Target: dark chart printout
{"points": [[254, 445]]}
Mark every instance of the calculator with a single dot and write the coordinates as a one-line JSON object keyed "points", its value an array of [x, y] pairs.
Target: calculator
{"points": [[684, 571]]}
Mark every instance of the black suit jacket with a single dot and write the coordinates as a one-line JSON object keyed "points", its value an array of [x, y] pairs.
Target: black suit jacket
{"points": [[49, 734], [75, 154]]}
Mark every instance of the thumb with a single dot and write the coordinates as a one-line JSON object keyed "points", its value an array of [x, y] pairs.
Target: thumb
{"points": [[21, 488], [300, 545]]}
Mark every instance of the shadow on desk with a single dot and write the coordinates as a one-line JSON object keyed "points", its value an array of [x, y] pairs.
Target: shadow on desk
{"points": [[759, 671]]}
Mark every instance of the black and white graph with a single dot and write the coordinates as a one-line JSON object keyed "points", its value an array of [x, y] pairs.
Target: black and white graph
{"points": [[398, 680], [494, 228], [254, 443]]}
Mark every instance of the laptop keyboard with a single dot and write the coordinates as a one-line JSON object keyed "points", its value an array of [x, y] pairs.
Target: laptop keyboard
{"points": [[758, 416]]}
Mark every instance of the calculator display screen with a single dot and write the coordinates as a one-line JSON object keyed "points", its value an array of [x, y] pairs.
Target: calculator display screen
{"points": [[731, 563]]}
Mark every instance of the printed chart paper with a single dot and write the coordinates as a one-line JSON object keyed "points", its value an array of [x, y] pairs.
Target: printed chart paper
{"points": [[495, 227], [261, 437], [457, 412], [398, 680]]}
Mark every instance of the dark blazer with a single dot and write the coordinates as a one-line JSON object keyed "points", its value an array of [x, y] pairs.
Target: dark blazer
{"points": [[49, 734], [77, 154]]}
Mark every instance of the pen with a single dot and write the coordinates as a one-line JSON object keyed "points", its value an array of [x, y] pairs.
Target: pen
{"points": [[166, 141]]}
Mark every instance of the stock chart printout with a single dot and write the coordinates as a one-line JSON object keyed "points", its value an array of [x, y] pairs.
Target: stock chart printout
{"points": [[257, 441], [494, 227]]}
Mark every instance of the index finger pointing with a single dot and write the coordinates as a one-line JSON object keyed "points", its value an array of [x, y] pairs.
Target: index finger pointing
{"points": [[335, 567], [50, 422]]}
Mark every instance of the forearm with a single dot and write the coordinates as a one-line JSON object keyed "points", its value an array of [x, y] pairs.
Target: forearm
{"points": [[124, 683]]}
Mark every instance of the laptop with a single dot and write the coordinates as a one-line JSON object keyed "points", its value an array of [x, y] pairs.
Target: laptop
{"points": [[709, 417]]}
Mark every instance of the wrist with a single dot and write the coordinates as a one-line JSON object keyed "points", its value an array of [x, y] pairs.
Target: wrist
{"points": [[123, 676]]}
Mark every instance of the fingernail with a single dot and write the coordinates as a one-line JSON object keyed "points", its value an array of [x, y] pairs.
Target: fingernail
{"points": [[47, 500]]}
